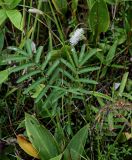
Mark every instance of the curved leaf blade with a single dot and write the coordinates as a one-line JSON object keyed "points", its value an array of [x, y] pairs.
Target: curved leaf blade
{"points": [[75, 148], [99, 18], [41, 138]]}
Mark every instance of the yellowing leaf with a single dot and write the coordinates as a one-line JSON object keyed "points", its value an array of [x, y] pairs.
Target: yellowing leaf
{"points": [[27, 146], [128, 135]]}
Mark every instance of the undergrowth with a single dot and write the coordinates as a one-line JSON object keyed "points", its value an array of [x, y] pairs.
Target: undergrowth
{"points": [[65, 79]]}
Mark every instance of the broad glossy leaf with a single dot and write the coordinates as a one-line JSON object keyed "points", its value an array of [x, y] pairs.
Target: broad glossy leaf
{"points": [[41, 138], [3, 16], [15, 17], [76, 146], [99, 18]]}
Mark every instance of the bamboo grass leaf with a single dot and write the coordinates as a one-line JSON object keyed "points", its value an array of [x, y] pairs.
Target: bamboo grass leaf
{"points": [[101, 95], [111, 53], [75, 56], [52, 68], [14, 58], [28, 46], [44, 64], [28, 75], [38, 54], [51, 81], [82, 52], [13, 48], [89, 69], [123, 83], [88, 56], [25, 66], [89, 81], [67, 64], [67, 74]]}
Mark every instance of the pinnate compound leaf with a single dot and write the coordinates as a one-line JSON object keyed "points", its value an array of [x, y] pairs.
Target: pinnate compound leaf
{"points": [[76, 146], [41, 138]]}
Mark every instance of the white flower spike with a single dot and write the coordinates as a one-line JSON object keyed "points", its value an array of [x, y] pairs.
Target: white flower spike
{"points": [[77, 36], [35, 10]]}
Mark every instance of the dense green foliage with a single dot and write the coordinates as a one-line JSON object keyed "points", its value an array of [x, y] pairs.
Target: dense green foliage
{"points": [[65, 78]]}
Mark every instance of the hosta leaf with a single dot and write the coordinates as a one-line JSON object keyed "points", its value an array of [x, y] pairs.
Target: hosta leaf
{"points": [[15, 17], [99, 19], [41, 138], [75, 148]]}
